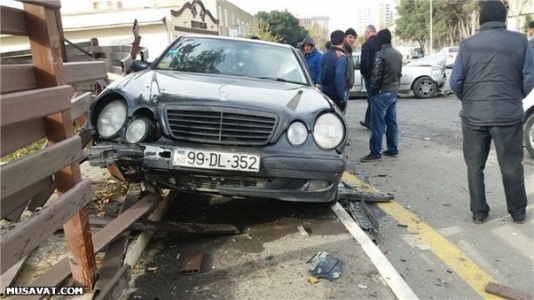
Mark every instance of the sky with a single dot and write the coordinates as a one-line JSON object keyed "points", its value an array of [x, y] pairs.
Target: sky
{"points": [[341, 12]]}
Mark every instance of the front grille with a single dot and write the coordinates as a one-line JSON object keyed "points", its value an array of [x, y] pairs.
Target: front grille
{"points": [[212, 184], [221, 126]]}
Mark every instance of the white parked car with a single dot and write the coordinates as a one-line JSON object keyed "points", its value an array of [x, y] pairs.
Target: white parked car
{"points": [[451, 53], [424, 77], [528, 135]]}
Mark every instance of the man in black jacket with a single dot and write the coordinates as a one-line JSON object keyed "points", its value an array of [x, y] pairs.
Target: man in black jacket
{"points": [[493, 72], [369, 49], [385, 80]]}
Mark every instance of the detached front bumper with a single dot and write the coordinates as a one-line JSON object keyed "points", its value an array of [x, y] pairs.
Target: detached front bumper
{"points": [[282, 175]]}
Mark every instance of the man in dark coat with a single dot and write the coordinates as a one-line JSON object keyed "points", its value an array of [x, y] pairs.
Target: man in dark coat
{"points": [[493, 72], [385, 81], [333, 71], [369, 49]]}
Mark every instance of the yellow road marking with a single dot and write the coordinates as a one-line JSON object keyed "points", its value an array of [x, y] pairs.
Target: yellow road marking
{"points": [[457, 261]]}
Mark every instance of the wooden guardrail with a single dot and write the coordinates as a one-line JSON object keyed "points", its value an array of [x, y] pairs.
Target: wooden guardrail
{"points": [[37, 101]]}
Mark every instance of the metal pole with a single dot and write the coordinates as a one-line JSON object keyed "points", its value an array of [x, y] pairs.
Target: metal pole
{"points": [[431, 38]]}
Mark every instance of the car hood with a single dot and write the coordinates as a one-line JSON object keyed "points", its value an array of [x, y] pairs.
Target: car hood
{"points": [[161, 87], [434, 60]]}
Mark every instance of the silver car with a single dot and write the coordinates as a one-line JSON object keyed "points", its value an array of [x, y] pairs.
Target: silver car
{"points": [[424, 77]]}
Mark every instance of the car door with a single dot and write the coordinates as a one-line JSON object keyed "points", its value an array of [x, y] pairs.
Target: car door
{"points": [[359, 85]]}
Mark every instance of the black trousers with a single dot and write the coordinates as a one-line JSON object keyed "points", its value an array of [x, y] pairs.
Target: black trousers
{"points": [[508, 142]]}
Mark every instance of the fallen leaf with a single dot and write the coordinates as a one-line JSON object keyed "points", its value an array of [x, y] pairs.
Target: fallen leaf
{"points": [[313, 279]]}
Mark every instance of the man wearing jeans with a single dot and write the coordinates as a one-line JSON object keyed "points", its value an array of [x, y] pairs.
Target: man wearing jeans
{"points": [[369, 49], [493, 72], [385, 80]]}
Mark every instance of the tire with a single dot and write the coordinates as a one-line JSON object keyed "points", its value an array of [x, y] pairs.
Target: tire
{"points": [[424, 88], [528, 135]]}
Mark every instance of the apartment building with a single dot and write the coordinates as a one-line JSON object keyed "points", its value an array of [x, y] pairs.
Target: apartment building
{"points": [[379, 14], [319, 20]]}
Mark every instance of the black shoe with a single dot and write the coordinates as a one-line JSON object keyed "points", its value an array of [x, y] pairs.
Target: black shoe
{"points": [[369, 158], [519, 219], [479, 218], [386, 153], [365, 125]]}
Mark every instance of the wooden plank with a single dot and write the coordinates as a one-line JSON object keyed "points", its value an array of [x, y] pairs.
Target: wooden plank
{"points": [[40, 199], [24, 238], [46, 47], [13, 202], [32, 168], [16, 78], [81, 105], [24, 106], [7, 278], [507, 292], [84, 71], [112, 261], [14, 216], [60, 271], [110, 49], [17, 136], [12, 21]]}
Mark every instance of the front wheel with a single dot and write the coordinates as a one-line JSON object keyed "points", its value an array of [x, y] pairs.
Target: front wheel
{"points": [[425, 88], [528, 135]]}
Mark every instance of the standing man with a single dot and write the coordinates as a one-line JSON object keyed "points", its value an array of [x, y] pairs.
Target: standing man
{"points": [[385, 81], [531, 33], [491, 79], [313, 58], [333, 71], [348, 42], [369, 49]]}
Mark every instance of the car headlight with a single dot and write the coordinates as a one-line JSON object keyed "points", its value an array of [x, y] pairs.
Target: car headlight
{"points": [[137, 130], [328, 131], [297, 133], [111, 119]]}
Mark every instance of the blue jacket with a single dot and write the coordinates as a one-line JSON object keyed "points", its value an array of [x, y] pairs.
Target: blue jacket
{"points": [[492, 78], [333, 69], [313, 60]]}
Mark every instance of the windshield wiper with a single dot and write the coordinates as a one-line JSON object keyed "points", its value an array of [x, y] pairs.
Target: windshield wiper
{"points": [[280, 79]]}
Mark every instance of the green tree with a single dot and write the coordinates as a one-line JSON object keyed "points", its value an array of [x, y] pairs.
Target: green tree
{"points": [[261, 29], [319, 36], [528, 18], [283, 24], [452, 21]]}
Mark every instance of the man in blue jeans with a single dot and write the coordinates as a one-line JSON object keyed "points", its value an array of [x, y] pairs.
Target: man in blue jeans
{"points": [[385, 80], [369, 49]]}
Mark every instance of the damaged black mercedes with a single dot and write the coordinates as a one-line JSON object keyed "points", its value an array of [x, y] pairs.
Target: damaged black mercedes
{"points": [[227, 116]]}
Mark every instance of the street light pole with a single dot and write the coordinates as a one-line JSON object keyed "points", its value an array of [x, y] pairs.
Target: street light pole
{"points": [[431, 46]]}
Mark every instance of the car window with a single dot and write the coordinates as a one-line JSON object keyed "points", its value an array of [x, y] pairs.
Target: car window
{"points": [[454, 49], [231, 57]]}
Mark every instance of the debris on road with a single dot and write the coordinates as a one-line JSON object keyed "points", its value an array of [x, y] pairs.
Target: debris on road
{"points": [[302, 230], [423, 247], [507, 292], [323, 265], [362, 215], [191, 263]]}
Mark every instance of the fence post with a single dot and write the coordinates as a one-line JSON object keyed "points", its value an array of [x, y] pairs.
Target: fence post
{"points": [[46, 45]]}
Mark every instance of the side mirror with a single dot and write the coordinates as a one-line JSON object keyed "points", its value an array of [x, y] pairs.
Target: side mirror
{"points": [[139, 65]]}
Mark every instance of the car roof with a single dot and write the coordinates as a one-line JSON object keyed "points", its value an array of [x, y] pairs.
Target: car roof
{"points": [[237, 39]]}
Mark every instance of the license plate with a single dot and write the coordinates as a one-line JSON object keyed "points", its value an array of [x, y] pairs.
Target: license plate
{"points": [[216, 160]]}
